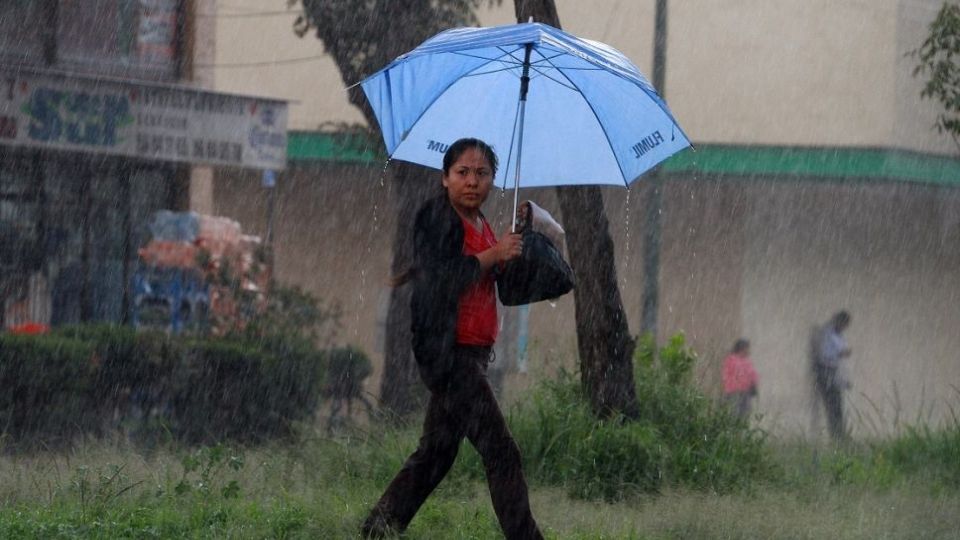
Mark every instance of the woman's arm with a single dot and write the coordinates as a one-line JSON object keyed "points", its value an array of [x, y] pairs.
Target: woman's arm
{"points": [[509, 246]]}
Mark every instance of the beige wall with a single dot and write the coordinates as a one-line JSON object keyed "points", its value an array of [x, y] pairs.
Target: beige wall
{"points": [[813, 72], [741, 258], [783, 72], [887, 253], [314, 87]]}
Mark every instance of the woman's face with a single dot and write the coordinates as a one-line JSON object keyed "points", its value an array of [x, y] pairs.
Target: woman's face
{"points": [[468, 181]]}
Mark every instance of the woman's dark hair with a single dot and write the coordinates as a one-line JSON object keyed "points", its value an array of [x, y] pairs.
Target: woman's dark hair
{"points": [[741, 345], [462, 145], [449, 158]]}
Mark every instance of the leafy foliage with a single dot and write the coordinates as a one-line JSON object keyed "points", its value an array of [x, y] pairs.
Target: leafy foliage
{"points": [[292, 313], [90, 380], [347, 367], [45, 380], [202, 469], [678, 437], [937, 58]]}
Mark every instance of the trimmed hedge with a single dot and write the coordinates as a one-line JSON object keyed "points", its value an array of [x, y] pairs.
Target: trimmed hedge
{"points": [[347, 367], [89, 380]]}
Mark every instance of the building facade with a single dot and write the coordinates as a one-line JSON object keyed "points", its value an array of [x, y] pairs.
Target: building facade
{"points": [[106, 116], [817, 184]]}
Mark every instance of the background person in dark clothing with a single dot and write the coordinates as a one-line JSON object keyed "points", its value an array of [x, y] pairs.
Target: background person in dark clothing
{"points": [[454, 315], [829, 351]]}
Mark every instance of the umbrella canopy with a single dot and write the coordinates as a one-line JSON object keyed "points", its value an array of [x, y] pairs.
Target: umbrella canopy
{"points": [[589, 117]]}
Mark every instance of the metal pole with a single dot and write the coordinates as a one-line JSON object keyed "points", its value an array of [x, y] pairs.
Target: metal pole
{"points": [[654, 205], [270, 183], [660, 46], [524, 86]]}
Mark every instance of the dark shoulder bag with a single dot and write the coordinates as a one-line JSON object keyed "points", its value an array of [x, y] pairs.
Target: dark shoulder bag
{"points": [[539, 273]]}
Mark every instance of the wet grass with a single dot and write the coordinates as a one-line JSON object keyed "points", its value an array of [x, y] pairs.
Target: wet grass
{"points": [[321, 488], [682, 469]]}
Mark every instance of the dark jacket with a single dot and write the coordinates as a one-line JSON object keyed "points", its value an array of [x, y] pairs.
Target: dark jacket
{"points": [[443, 272]]}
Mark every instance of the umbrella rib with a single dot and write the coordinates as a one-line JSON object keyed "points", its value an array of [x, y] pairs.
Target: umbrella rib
{"points": [[498, 59], [626, 183], [561, 83], [475, 74], [438, 96], [510, 54], [583, 69], [546, 58], [632, 80]]}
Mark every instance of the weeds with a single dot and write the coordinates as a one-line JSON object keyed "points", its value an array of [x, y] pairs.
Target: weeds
{"points": [[202, 469], [682, 469], [96, 495], [679, 438]]}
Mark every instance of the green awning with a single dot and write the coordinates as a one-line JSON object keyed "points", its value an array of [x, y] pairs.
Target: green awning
{"points": [[335, 147], [715, 159], [840, 163]]}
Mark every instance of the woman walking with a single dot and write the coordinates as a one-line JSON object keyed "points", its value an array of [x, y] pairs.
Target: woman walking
{"points": [[454, 322]]}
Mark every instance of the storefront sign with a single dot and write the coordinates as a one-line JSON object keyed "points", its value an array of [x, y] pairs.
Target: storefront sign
{"points": [[143, 121]]}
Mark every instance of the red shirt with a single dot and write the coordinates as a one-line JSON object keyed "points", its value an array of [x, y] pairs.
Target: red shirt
{"points": [[477, 316], [738, 374]]}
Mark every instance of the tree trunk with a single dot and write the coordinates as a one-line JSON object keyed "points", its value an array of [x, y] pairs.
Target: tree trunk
{"points": [[362, 37], [400, 390], [603, 337]]}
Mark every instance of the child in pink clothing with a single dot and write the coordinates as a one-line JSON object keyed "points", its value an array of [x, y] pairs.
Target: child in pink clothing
{"points": [[739, 379]]}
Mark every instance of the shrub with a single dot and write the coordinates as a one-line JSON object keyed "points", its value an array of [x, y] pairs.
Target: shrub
{"points": [[347, 367], [708, 448], [678, 438], [292, 313], [617, 458], [919, 450], [86, 380], [45, 381], [925, 448]]}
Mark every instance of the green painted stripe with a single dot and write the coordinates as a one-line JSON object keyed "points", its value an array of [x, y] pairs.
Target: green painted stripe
{"points": [[847, 163], [772, 161], [337, 147]]}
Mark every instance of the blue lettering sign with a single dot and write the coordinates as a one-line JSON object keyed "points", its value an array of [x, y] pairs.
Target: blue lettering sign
{"points": [[76, 117]]}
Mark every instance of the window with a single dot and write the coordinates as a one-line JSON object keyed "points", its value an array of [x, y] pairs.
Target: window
{"points": [[129, 37], [21, 35], [19, 215]]}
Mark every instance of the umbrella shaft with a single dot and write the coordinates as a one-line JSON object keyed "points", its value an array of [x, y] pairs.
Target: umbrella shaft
{"points": [[524, 86], [516, 177]]}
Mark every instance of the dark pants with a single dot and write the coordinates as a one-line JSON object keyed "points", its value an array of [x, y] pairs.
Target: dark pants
{"points": [[465, 408], [739, 403], [832, 396]]}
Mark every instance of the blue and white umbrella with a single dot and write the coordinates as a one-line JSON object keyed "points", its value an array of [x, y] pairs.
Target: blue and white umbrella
{"points": [[577, 111]]}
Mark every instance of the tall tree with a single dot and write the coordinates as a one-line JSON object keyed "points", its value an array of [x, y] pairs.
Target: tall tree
{"points": [[362, 36], [939, 66], [603, 338]]}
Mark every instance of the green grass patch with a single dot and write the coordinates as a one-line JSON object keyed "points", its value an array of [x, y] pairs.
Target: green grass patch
{"points": [[683, 469]]}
